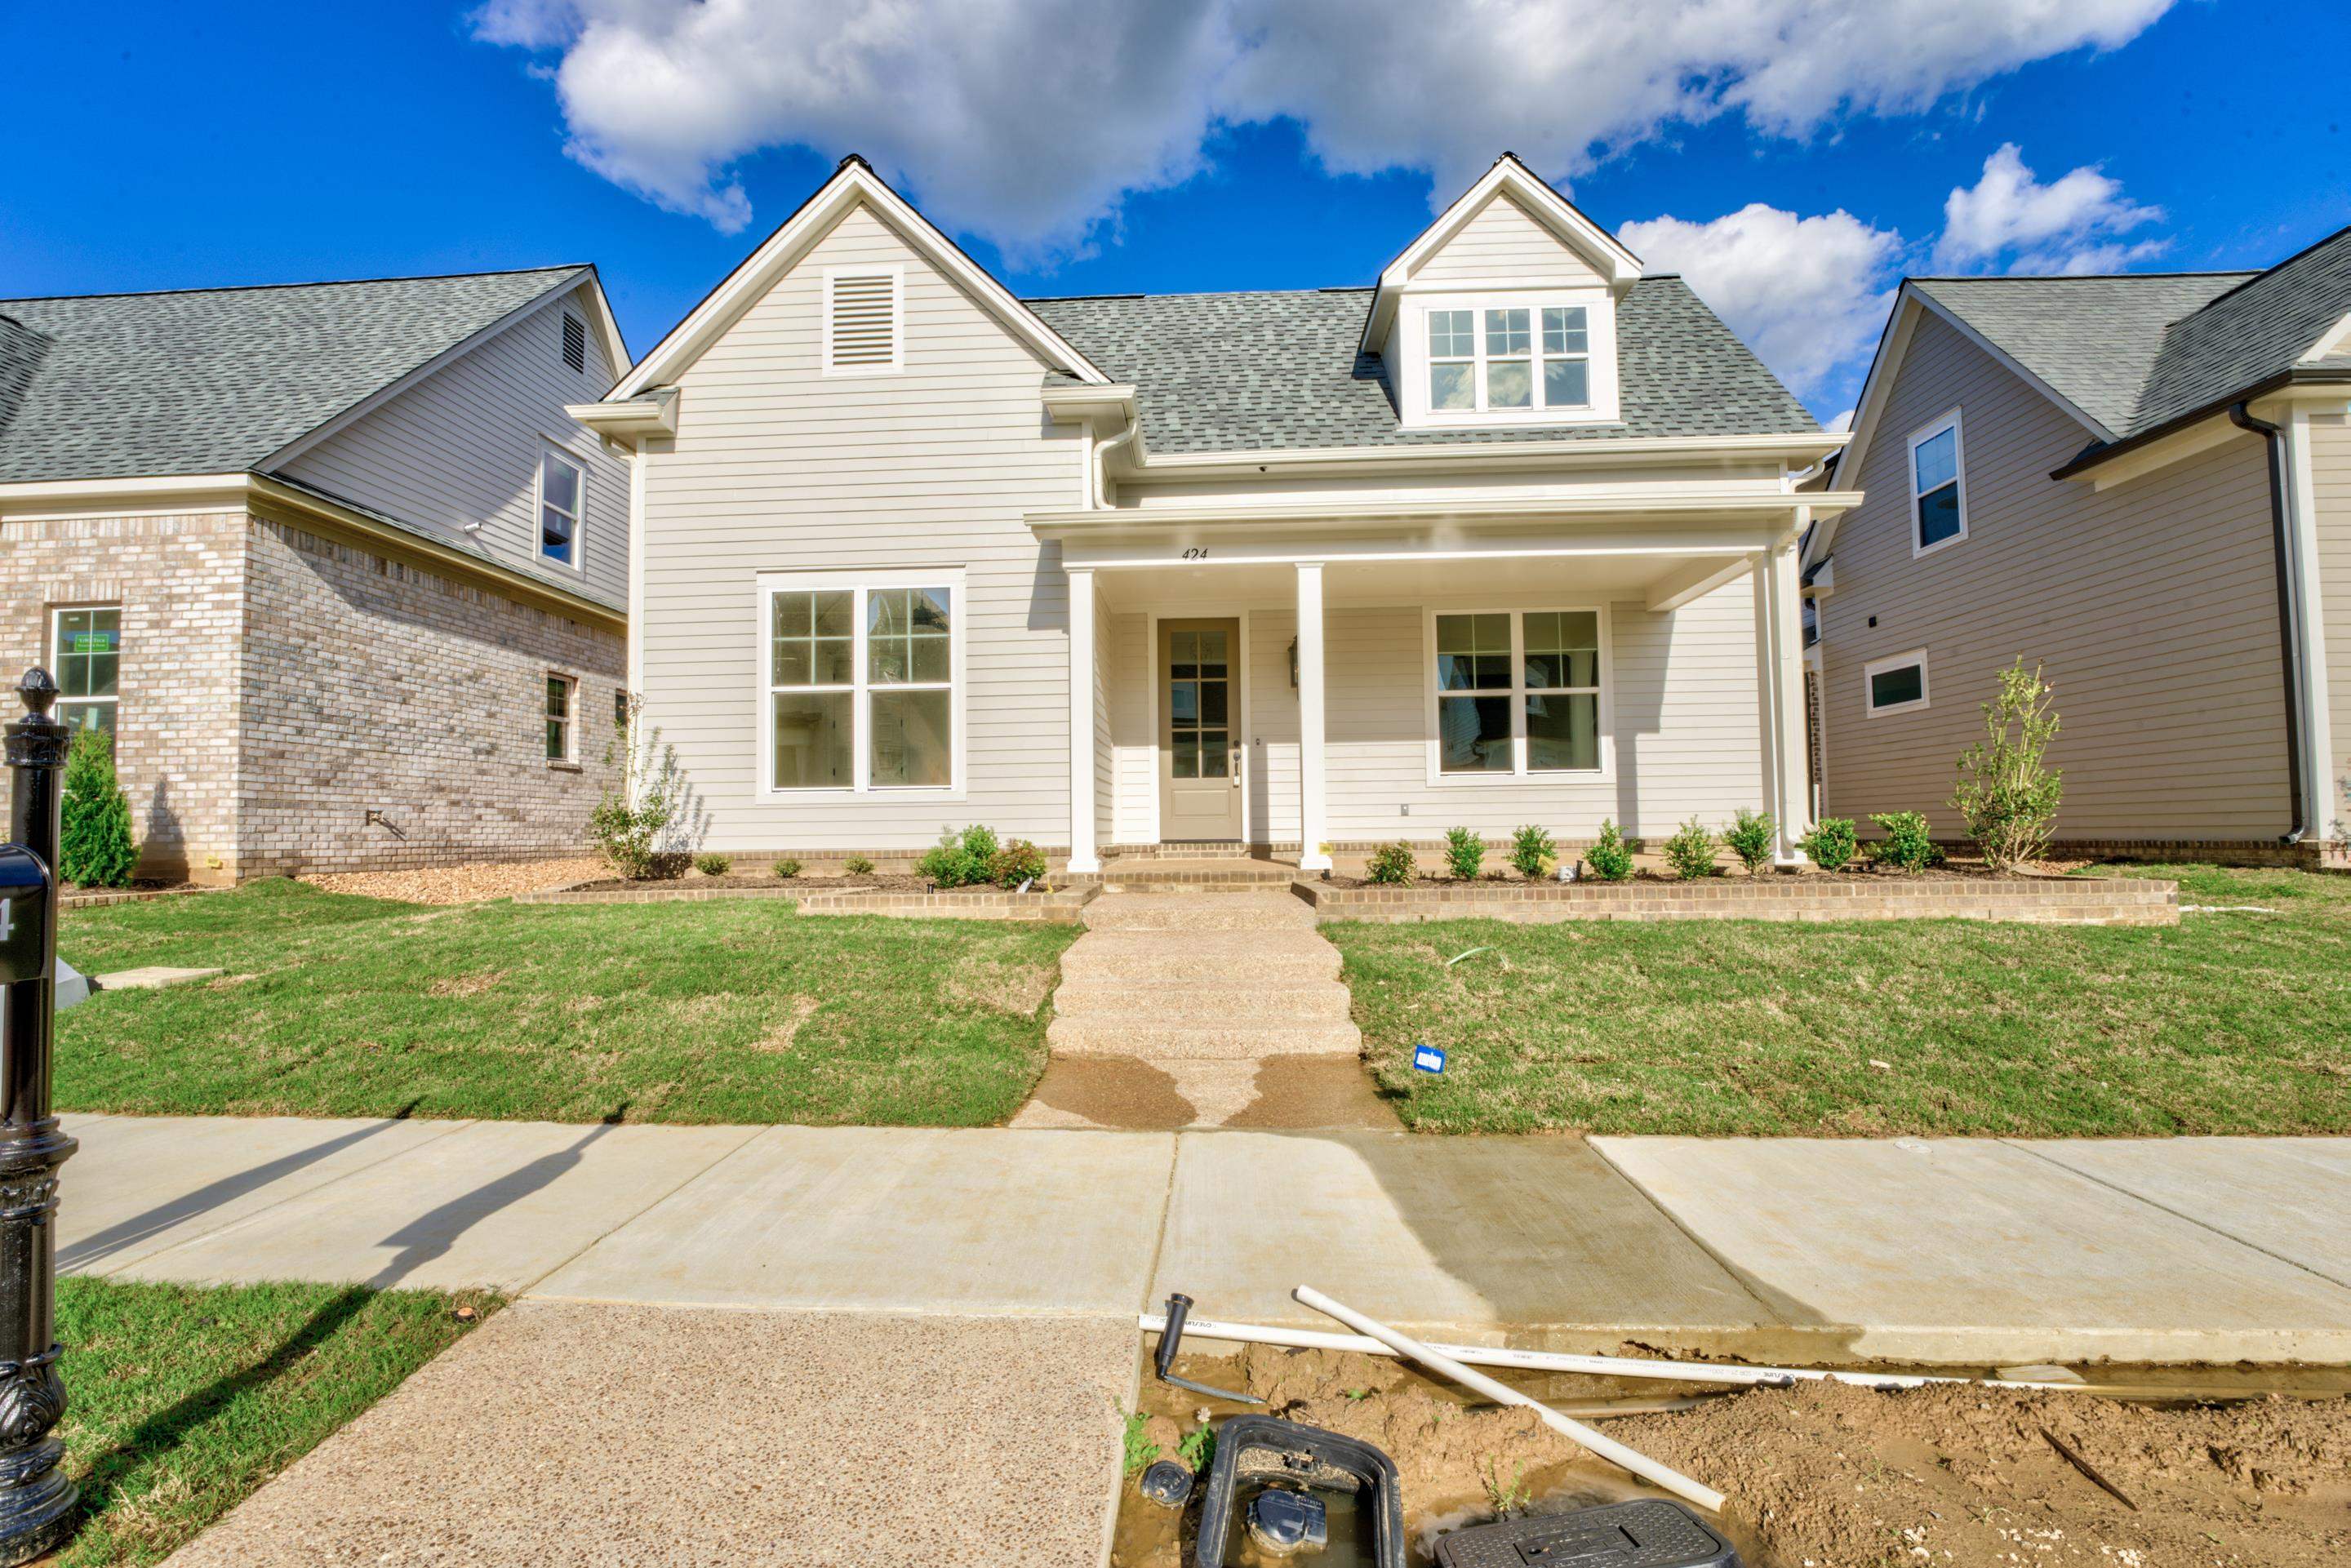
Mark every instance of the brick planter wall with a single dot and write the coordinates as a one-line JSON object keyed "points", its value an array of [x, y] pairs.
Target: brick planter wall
{"points": [[2062, 901], [1063, 908]]}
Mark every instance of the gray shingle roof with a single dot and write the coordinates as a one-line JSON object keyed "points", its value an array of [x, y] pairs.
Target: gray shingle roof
{"points": [[214, 381], [1268, 370], [2139, 350], [2095, 340]]}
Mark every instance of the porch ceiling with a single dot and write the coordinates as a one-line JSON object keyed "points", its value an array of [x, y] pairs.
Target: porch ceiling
{"points": [[1266, 584]]}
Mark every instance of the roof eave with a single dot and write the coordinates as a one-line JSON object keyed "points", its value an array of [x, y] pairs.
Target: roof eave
{"points": [[1447, 456], [2299, 375]]}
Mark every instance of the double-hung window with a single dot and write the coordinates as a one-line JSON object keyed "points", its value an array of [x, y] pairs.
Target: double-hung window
{"points": [[86, 644], [863, 681], [1938, 495], [1509, 358], [561, 694], [1518, 693], [562, 492]]}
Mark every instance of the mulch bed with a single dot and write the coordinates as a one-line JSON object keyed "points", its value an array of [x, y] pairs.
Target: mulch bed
{"points": [[699, 883], [1862, 875]]}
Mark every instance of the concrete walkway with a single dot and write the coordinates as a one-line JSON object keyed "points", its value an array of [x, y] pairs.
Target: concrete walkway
{"points": [[1975, 1251], [1202, 995]]}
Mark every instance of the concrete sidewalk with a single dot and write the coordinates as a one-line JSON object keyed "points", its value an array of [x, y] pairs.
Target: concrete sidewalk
{"points": [[1971, 1250]]}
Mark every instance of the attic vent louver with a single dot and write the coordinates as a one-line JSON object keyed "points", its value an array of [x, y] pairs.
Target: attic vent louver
{"points": [[862, 321], [575, 343]]}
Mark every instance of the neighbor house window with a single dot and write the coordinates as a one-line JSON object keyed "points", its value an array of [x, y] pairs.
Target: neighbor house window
{"points": [[1938, 494], [862, 677], [1518, 693], [1510, 357], [87, 645], [1896, 685], [562, 489], [562, 694]]}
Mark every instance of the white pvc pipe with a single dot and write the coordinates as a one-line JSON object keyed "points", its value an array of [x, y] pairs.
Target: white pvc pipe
{"points": [[1560, 1360], [1608, 1448]]}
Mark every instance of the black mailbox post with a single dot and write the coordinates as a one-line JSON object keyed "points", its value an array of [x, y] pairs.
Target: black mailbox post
{"points": [[38, 1506]]}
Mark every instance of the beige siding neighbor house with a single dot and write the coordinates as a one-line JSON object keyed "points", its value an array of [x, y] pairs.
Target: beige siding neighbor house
{"points": [[1508, 537], [329, 561], [2142, 484]]}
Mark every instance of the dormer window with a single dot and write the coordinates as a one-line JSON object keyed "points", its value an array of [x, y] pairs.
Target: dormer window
{"points": [[1515, 358]]}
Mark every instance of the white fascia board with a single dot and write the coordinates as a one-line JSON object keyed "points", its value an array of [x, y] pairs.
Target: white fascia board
{"points": [[1752, 501], [1115, 400], [853, 184], [626, 423], [1550, 209], [432, 366], [1488, 456], [616, 348], [25, 493]]}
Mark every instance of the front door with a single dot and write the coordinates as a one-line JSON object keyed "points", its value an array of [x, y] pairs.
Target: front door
{"points": [[1199, 756]]}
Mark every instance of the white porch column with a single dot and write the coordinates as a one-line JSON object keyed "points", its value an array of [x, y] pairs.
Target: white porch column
{"points": [[1083, 860], [1313, 823], [1779, 683]]}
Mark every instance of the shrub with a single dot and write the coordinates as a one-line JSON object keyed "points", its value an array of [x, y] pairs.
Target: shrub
{"points": [[1690, 852], [858, 866], [2006, 794], [713, 865], [786, 870], [1392, 865], [1751, 837], [1610, 860], [1014, 863], [1465, 853], [635, 826], [95, 849], [1832, 844], [1531, 852], [960, 860], [1906, 846]]}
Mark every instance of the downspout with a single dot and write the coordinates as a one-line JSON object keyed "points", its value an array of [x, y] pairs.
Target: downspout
{"points": [[1102, 449], [2289, 611]]}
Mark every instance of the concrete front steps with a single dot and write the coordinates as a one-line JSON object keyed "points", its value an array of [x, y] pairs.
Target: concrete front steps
{"points": [[1174, 1003]]}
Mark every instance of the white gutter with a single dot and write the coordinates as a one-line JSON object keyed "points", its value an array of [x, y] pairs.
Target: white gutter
{"points": [[1759, 496]]}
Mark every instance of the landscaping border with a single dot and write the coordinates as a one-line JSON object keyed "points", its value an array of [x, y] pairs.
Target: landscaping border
{"points": [[2053, 901], [1064, 907], [669, 891]]}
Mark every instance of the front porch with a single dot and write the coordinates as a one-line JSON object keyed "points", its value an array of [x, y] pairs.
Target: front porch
{"points": [[1298, 691]]}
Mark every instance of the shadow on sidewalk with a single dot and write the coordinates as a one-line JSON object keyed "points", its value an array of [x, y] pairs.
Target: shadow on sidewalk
{"points": [[104, 1244], [431, 1234]]}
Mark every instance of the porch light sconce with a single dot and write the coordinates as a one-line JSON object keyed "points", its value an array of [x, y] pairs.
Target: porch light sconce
{"points": [[1294, 663]]}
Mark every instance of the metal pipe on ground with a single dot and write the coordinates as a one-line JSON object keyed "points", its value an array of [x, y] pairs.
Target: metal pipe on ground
{"points": [[1608, 1447]]}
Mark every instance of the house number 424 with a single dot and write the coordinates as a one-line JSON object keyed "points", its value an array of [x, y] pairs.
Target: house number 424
{"points": [[1196, 553]]}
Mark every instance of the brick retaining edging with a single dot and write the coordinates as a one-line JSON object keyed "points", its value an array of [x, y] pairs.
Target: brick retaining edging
{"points": [[659, 893], [1065, 906], [2055, 901]]}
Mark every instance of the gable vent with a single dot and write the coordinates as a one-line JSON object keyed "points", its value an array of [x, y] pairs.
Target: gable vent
{"points": [[575, 343], [862, 321]]}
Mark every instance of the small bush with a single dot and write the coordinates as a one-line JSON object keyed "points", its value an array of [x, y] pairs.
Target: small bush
{"points": [[1751, 837], [858, 866], [637, 826], [1014, 863], [1532, 852], [1392, 865], [1832, 844], [1690, 852], [1906, 846], [960, 860], [710, 864], [1609, 859], [786, 870], [95, 848], [2006, 794], [1465, 853]]}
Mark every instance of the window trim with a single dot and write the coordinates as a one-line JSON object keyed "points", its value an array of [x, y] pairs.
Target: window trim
{"points": [[57, 661], [1872, 708], [549, 446], [1600, 355], [1948, 420], [860, 582], [571, 758], [897, 277], [1520, 773]]}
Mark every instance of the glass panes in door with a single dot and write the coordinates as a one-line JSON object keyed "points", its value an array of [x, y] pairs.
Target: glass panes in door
{"points": [[1199, 704]]}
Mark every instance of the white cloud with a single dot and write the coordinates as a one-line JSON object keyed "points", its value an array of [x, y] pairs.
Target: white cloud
{"points": [[2071, 225], [1029, 120], [1809, 295]]}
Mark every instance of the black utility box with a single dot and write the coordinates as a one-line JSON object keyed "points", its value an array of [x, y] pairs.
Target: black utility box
{"points": [[1647, 1532]]}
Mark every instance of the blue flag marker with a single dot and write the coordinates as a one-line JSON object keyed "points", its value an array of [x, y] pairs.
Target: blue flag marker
{"points": [[1428, 1059]]}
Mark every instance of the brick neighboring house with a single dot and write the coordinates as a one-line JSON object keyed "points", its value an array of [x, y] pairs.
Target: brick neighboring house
{"points": [[346, 583]]}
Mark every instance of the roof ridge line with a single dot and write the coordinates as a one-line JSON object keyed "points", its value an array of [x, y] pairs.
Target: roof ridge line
{"points": [[307, 283], [1196, 293], [2244, 272], [2316, 244]]}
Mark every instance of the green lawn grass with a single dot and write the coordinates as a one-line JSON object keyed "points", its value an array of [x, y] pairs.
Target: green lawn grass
{"points": [[738, 1011], [2226, 1023], [183, 1400]]}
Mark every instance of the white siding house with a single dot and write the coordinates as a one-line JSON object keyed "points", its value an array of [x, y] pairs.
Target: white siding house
{"points": [[1507, 538]]}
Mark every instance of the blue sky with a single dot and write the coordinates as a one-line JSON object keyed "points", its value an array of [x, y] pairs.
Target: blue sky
{"points": [[1194, 144]]}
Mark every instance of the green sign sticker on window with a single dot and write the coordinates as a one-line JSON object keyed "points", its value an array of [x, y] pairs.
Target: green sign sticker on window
{"points": [[91, 642]]}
